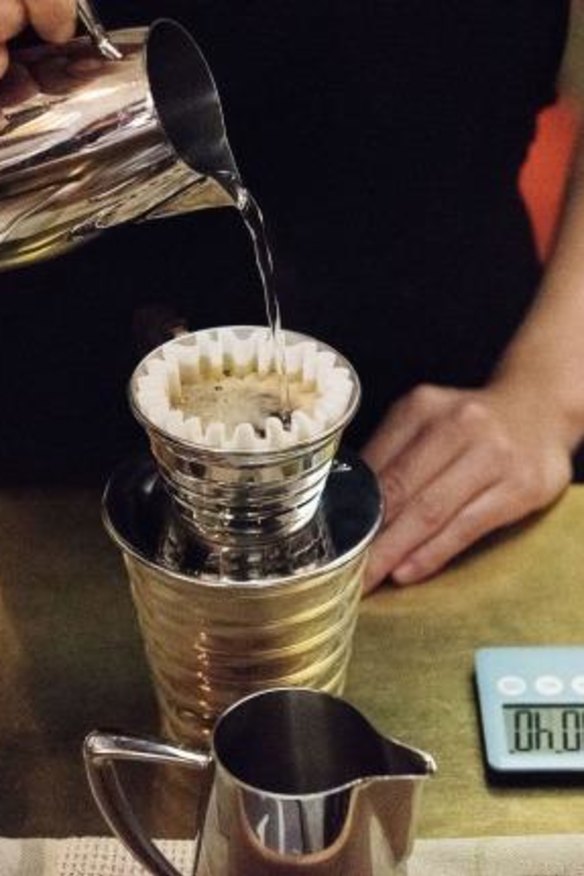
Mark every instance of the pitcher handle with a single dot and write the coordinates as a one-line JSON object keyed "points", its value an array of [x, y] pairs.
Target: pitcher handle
{"points": [[101, 750], [96, 30]]}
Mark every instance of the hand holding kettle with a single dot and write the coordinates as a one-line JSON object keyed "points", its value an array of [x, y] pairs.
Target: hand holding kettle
{"points": [[53, 20], [105, 129]]}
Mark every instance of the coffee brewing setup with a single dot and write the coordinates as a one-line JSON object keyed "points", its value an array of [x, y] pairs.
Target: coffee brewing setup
{"points": [[245, 556], [245, 531], [245, 561]]}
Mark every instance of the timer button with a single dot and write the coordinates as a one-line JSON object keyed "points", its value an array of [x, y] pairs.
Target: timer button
{"points": [[578, 684], [511, 685], [548, 685]]}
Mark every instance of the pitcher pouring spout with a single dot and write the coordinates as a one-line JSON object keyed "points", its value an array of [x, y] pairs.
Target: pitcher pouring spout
{"points": [[302, 783], [103, 131]]}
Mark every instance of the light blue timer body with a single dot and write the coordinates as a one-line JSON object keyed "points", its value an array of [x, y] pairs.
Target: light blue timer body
{"points": [[531, 703]]}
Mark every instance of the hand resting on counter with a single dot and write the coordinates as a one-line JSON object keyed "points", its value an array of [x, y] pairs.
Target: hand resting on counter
{"points": [[455, 465]]}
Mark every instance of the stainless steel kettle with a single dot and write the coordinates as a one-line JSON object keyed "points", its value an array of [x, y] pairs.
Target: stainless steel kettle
{"points": [[107, 129]]}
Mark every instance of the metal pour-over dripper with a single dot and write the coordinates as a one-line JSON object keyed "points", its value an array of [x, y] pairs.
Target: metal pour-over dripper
{"points": [[238, 483], [105, 130], [245, 555]]}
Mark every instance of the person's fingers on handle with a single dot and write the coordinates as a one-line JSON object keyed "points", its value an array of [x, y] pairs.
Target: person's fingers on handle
{"points": [[12, 21], [53, 20]]}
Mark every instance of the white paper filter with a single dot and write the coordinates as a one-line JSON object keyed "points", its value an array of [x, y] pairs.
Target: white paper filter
{"points": [[217, 353]]}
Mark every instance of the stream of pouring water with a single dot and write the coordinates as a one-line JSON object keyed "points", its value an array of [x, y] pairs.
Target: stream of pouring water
{"points": [[254, 222]]}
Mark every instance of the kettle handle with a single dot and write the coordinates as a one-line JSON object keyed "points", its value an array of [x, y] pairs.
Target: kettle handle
{"points": [[96, 30], [101, 749]]}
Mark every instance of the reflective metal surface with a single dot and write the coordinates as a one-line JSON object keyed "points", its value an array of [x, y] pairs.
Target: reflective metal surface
{"points": [[87, 143], [221, 622], [244, 497], [303, 783]]}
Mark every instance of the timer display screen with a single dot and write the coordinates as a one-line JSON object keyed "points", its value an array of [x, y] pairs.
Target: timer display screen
{"points": [[544, 729]]}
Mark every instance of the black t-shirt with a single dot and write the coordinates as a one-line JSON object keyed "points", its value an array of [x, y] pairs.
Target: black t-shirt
{"points": [[383, 141]]}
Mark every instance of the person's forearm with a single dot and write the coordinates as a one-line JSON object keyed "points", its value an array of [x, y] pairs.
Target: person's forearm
{"points": [[546, 356]]}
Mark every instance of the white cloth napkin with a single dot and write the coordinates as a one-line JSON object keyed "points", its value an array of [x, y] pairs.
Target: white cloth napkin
{"points": [[559, 855], [82, 856]]}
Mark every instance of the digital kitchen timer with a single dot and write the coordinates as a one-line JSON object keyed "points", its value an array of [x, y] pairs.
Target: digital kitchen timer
{"points": [[532, 708]]}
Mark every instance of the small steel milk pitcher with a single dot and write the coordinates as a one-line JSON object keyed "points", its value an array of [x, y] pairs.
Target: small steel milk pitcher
{"points": [[106, 129], [302, 783]]}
